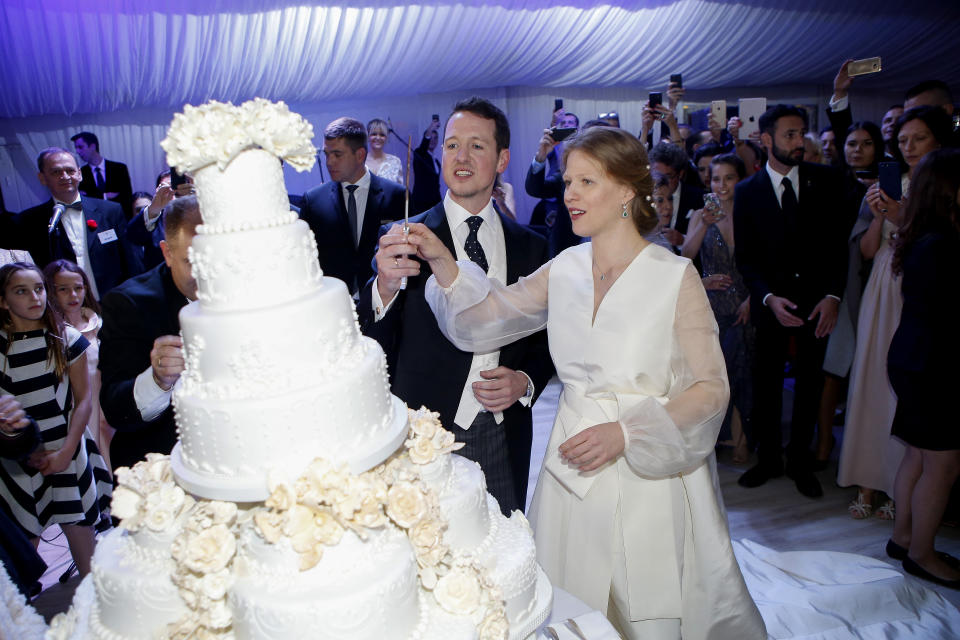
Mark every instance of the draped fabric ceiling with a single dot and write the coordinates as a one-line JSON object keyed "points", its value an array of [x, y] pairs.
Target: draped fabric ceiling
{"points": [[89, 56], [87, 61]]}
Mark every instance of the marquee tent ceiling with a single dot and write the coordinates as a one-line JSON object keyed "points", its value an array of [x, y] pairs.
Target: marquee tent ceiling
{"points": [[91, 56]]}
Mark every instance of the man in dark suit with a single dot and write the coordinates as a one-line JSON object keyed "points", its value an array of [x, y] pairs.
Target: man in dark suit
{"points": [[796, 277], [483, 398], [346, 212], [140, 348], [89, 232], [102, 178], [426, 176], [670, 160]]}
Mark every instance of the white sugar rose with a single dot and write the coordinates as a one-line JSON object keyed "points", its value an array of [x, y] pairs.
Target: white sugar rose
{"points": [[495, 626], [426, 534], [370, 514], [125, 503], [298, 526], [458, 592], [171, 497], [214, 585], [210, 550], [217, 615], [282, 497], [421, 450], [269, 525], [406, 504], [423, 426], [222, 512], [327, 530], [159, 519]]}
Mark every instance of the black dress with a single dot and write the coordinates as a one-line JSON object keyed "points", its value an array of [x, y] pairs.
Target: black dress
{"points": [[925, 353]]}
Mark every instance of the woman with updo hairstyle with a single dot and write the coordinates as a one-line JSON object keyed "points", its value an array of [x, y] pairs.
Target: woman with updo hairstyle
{"points": [[379, 162], [626, 515]]}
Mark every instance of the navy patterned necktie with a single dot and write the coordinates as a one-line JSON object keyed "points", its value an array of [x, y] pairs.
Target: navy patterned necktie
{"points": [[99, 178], [472, 245]]}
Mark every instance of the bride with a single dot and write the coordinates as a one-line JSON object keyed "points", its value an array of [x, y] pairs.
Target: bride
{"points": [[626, 513]]}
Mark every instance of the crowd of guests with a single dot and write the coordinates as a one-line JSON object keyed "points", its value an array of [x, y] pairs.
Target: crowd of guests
{"points": [[779, 254]]}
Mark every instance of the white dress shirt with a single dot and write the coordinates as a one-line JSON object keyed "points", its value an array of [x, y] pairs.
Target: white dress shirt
{"points": [[75, 227]]}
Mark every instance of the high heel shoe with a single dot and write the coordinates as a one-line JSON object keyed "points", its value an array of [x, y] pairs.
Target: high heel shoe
{"points": [[860, 508]]}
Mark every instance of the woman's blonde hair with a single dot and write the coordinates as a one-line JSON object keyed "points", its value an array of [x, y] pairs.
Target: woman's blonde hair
{"points": [[624, 160]]}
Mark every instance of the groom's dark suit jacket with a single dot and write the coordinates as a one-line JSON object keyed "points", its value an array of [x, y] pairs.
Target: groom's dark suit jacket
{"points": [[134, 315], [428, 370], [113, 259], [325, 211], [803, 259]]}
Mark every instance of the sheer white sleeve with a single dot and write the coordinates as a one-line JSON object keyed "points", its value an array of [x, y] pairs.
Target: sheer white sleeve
{"points": [[477, 313], [664, 439]]}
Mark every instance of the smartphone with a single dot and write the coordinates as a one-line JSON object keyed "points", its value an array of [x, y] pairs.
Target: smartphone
{"points": [[677, 80], [655, 99], [562, 133], [176, 178], [711, 202], [436, 117], [865, 174], [718, 109], [863, 67], [558, 104], [750, 111], [889, 174]]}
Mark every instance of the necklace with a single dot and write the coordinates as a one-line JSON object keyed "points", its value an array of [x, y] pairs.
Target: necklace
{"points": [[603, 276]]}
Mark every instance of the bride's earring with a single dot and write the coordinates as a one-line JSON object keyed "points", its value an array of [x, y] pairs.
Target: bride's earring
{"points": [[624, 212]]}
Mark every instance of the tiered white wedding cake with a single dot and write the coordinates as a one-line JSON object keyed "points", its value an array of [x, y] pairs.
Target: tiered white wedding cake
{"points": [[303, 500]]}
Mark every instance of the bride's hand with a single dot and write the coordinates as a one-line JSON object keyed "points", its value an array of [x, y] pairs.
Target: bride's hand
{"points": [[431, 249], [593, 447]]}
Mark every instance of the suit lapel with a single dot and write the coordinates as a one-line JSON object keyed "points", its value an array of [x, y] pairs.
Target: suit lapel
{"points": [[436, 220], [371, 214], [516, 263]]}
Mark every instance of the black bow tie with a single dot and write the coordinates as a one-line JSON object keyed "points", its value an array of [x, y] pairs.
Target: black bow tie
{"points": [[78, 205]]}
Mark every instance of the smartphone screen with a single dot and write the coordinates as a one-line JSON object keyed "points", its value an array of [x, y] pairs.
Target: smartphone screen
{"points": [[558, 104], [655, 99], [889, 173], [677, 79], [436, 117], [560, 134]]}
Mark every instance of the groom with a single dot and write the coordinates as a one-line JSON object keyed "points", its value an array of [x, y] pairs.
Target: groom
{"points": [[483, 398]]}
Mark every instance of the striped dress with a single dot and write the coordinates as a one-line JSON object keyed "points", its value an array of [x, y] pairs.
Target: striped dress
{"points": [[80, 493]]}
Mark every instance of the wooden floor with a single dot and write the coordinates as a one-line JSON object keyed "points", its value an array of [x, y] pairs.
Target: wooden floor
{"points": [[774, 515]]}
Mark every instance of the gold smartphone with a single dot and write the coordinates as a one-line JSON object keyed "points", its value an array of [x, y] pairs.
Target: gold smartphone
{"points": [[863, 67], [718, 109]]}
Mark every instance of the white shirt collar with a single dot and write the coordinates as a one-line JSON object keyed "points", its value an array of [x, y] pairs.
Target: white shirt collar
{"points": [[457, 215], [363, 182], [102, 166], [776, 178]]}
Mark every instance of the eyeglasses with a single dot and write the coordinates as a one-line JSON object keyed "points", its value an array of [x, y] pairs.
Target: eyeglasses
{"points": [[613, 115]]}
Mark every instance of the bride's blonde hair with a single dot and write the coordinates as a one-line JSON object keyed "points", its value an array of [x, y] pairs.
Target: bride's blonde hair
{"points": [[624, 160]]}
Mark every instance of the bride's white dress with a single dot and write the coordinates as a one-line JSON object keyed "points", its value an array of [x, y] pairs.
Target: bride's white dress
{"points": [[650, 360]]}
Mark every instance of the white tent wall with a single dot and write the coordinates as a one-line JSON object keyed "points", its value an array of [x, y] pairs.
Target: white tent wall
{"points": [[133, 136]]}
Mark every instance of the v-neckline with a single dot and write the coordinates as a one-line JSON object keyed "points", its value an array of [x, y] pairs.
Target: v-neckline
{"points": [[597, 304]]}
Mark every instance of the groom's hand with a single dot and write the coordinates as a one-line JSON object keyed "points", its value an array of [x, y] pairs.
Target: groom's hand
{"points": [[501, 387]]}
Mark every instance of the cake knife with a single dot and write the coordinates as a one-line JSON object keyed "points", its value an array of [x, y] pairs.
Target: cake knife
{"points": [[406, 203]]}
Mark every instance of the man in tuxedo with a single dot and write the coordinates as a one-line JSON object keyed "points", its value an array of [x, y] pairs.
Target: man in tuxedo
{"points": [[426, 175], [791, 250], [140, 347], [87, 231], [483, 398], [548, 185], [102, 178], [346, 212], [670, 160]]}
